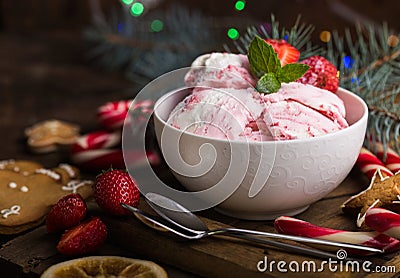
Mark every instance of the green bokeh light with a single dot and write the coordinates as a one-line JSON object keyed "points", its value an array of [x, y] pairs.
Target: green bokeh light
{"points": [[137, 9], [233, 33], [127, 2], [239, 5], [157, 25]]}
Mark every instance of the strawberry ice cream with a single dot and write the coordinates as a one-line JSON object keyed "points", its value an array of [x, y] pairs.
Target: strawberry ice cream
{"points": [[221, 113], [302, 111], [221, 70], [224, 104]]}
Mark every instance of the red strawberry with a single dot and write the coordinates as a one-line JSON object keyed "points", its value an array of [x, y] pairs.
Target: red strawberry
{"points": [[85, 238], [67, 212], [322, 74], [113, 188], [287, 53]]}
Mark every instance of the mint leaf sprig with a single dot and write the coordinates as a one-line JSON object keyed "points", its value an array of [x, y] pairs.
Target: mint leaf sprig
{"points": [[265, 64]]}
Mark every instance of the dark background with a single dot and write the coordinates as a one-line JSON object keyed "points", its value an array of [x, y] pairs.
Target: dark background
{"points": [[31, 15]]}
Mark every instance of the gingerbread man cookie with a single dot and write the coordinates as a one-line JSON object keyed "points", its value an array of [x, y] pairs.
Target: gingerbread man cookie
{"points": [[384, 191], [47, 136], [28, 191], [24, 167]]}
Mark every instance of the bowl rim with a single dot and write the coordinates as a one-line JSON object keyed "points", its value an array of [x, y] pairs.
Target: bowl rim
{"points": [[354, 125]]}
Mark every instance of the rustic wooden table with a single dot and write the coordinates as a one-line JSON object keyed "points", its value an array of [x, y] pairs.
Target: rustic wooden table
{"points": [[46, 76]]}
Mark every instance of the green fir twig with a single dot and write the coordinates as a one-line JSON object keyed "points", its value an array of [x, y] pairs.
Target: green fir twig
{"points": [[127, 44]]}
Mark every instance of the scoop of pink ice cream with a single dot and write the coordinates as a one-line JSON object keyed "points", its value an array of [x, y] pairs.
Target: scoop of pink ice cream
{"points": [[219, 113], [301, 111], [221, 70]]}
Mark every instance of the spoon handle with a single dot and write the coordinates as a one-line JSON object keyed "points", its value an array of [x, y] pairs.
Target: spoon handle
{"points": [[285, 246], [296, 238]]}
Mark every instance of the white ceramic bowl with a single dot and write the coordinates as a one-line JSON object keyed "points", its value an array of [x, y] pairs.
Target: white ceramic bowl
{"points": [[300, 173]]}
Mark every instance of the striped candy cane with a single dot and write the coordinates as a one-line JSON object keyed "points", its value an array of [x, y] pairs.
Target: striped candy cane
{"points": [[292, 226], [101, 149], [383, 221], [368, 163], [112, 114], [98, 150], [392, 159]]}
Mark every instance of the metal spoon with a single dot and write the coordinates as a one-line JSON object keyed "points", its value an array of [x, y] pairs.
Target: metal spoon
{"points": [[157, 223], [186, 220]]}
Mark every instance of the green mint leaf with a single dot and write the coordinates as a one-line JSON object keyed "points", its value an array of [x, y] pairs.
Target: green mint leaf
{"points": [[268, 83], [292, 72], [262, 58]]}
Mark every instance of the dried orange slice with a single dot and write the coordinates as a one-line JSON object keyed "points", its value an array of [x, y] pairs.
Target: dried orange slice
{"points": [[105, 266]]}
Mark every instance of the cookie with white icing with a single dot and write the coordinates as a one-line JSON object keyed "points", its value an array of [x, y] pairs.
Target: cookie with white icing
{"points": [[24, 167], [28, 191], [384, 191]]}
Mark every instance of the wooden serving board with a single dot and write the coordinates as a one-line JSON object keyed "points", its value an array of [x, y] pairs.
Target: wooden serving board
{"points": [[33, 252]]}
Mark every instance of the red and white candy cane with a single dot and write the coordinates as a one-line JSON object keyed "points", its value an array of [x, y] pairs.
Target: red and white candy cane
{"points": [[383, 221], [292, 226], [112, 114], [98, 150], [392, 159], [102, 150], [368, 163]]}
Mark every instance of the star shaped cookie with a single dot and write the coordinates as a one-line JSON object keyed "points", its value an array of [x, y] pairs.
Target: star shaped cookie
{"points": [[384, 191]]}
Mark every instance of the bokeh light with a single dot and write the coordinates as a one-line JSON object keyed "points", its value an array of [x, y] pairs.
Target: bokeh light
{"points": [[240, 5], [233, 33], [120, 27], [325, 36], [137, 9], [393, 40], [127, 2], [355, 80], [348, 62], [157, 25]]}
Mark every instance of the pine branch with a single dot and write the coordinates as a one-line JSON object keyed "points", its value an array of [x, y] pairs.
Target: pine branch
{"points": [[373, 74], [118, 40], [299, 36], [125, 43]]}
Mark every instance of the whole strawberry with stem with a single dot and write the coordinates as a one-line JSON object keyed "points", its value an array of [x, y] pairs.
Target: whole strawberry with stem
{"points": [[322, 74], [84, 238], [67, 212], [114, 187]]}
